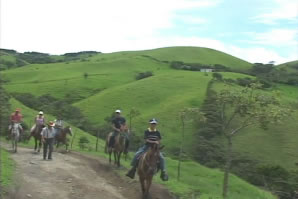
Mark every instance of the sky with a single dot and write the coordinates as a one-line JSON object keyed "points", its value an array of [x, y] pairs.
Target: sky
{"points": [[254, 30]]}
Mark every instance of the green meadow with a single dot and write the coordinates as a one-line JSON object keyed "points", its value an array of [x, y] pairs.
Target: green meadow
{"points": [[203, 181], [111, 84]]}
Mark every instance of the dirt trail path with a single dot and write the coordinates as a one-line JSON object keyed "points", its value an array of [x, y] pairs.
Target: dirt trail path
{"points": [[72, 176]]}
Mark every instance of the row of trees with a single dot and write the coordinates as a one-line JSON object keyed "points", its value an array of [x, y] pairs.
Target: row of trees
{"points": [[4, 109]]}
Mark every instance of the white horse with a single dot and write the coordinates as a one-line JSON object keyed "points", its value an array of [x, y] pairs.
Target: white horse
{"points": [[15, 130]]}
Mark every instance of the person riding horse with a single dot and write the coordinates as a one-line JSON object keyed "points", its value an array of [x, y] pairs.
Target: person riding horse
{"points": [[39, 122], [58, 126], [151, 136], [117, 122], [16, 117]]}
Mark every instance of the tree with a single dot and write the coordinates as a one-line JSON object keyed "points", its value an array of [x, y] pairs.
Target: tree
{"points": [[86, 75], [4, 109], [132, 113], [217, 76], [187, 115], [241, 108], [83, 142]]}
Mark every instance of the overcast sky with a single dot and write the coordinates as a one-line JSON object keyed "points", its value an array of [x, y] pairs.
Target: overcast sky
{"points": [[254, 30]]}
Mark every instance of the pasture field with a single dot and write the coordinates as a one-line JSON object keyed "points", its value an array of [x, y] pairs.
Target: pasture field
{"points": [[195, 179]]}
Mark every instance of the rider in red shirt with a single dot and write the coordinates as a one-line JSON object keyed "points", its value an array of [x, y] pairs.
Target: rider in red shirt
{"points": [[16, 117]]}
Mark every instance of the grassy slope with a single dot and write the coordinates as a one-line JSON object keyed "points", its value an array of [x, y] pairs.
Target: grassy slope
{"points": [[288, 66], [278, 144], [198, 55], [6, 167], [61, 79], [194, 176], [111, 84]]}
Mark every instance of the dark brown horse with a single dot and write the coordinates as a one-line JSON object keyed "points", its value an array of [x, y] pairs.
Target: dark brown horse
{"points": [[36, 133], [62, 137], [119, 145], [147, 167]]}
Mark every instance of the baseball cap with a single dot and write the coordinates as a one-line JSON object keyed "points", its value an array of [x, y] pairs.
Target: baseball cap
{"points": [[153, 121]]}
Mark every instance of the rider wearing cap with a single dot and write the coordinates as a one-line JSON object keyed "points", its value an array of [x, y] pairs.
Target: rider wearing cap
{"points": [[39, 120], [151, 136], [16, 117], [117, 122], [58, 125]]}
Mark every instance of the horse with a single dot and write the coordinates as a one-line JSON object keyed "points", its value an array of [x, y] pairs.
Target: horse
{"points": [[147, 167], [119, 145], [15, 130], [37, 136], [61, 137]]}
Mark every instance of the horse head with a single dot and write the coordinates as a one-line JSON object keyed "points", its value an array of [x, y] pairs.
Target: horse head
{"points": [[68, 130], [152, 158]]}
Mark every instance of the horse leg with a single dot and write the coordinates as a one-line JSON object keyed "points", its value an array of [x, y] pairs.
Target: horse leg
{"points": [[35, 146], [12, 144], [119, 157], [148, 185], [142, 181], [16, 145], [110, 156], [39, 146], [115, 157]]}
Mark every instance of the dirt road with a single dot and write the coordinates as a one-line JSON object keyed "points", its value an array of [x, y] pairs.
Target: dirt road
{"points": [[72, 176]]}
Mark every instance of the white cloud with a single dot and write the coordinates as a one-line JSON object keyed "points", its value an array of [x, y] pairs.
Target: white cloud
{"points": [[57, 26], [281, 10], [275, 37], [191, 19], [260, 55], [60, 26]]}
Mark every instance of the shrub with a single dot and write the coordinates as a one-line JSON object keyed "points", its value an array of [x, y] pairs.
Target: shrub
{"points": [[83, 142], [143, 75]]}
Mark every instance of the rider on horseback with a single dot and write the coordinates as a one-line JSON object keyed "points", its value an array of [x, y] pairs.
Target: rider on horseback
{"points": [[16, 117], [118, 122], [39, 121], [151, 136], [58, 125]]}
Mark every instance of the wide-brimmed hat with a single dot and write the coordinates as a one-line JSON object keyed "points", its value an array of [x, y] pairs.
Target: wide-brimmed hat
{"points": [[51, 123], [153, 121], [40, 113], [118, 111], [18, 109]]}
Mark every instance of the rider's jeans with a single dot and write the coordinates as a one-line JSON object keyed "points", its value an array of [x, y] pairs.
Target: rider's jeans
{"points": [[142, 150]]}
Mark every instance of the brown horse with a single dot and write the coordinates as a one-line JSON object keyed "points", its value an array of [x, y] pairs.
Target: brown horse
{"points": [[147, 167], [119, 145], [37, 136], [61, 137]]}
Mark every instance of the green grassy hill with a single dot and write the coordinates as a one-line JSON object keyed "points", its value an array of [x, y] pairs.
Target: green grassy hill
{"points": [[198, 55], [194, 177], [111, 84], [289, 66]]}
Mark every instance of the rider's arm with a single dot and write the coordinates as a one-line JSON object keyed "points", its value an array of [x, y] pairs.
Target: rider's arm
{"points": [[114, 126], [42, 134], [152, 142]]}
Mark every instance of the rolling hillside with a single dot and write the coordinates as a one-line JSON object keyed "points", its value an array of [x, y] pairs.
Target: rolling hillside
{"points": [[195, 178], [111, 83]]}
